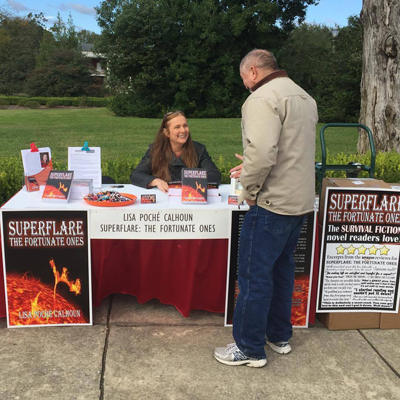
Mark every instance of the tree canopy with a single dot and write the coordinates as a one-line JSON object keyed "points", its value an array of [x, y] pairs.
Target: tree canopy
{"points": [[19, 45], [61, 69], [28, 52], [165, 54], [328, 67]]}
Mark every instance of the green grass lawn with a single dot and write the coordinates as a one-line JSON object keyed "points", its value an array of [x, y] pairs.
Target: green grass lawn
{"points": [[61, 128]]}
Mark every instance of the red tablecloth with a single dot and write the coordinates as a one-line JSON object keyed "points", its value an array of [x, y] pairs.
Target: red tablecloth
{"points": [[189, 274]]}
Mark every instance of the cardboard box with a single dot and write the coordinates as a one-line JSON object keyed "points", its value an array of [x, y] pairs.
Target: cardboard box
{"points": [[355, 183], [341, 321], [390, 321]]}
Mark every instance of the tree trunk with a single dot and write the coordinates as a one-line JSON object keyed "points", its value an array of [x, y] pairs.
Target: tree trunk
{"points": [[380, 82]]}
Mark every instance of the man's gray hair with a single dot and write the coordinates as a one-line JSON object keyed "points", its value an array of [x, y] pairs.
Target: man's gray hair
{"points": [[262, 59]]}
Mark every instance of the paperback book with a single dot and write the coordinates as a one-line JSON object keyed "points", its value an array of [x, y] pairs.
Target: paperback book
{"points": [[81, 188], [58, 186], [175, 192], [194, 185]]}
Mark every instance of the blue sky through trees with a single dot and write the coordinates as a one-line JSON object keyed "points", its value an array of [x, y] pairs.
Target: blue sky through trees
{"points": [[328, 12]]}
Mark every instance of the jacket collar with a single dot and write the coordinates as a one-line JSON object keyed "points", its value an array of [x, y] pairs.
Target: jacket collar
{"points": [[269, 78]]}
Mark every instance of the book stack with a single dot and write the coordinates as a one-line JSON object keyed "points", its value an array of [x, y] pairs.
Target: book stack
{"points": [[175, 193]]}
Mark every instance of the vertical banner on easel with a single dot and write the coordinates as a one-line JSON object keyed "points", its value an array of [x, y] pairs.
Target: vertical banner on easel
{"points": [[303, 257], [47, 268], [232, 289]]}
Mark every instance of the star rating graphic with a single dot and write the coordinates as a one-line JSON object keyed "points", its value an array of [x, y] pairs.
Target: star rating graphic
{"points": [[362, 249], [340, 249], [351, 249], [384, 250], [373, 250]]}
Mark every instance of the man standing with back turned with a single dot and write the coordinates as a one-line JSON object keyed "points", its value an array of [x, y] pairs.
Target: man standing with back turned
{"points": [[278, 130]]}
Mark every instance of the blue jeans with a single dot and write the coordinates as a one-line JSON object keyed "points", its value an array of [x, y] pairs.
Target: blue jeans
{"points": [[266, 279]]}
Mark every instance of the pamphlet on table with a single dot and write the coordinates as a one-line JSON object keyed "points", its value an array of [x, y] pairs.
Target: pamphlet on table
{"points": [[86, 164], [37, 164]]}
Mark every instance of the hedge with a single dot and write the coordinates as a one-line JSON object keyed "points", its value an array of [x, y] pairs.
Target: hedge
{"points": [[60, 101], [387, 168]]}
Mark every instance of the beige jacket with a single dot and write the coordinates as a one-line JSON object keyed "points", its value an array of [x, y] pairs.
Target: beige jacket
{"points": [[278, 131]]}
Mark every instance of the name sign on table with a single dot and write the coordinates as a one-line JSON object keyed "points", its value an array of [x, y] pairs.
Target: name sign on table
{"points": [[159, 224], [359, 268], [47, 268]]}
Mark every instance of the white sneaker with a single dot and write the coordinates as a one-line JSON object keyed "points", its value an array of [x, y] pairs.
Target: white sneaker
{"points": [[232, 355], [280, 347]]}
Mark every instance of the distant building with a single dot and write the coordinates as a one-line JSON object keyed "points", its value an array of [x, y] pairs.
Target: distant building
{"points": [[97, 62]]}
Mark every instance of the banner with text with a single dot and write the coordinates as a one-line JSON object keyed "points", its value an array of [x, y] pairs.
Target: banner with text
{"points": [[159, 224], [47, 268], [359, 268], [303, 258]]}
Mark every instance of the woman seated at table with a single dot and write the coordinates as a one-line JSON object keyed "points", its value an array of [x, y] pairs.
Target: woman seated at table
{"points": [[172, 150]]}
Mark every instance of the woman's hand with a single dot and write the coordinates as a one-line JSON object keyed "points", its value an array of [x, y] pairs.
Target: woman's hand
{"points": [[162, 185], [236, 171]]}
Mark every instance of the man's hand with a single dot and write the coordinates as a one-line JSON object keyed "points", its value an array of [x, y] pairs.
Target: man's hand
{"points": [[162, 185], [251, 202], [236, 171]]}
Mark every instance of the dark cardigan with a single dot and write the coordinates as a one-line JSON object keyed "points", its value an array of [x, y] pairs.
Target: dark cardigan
{"points": [[142, 175]]}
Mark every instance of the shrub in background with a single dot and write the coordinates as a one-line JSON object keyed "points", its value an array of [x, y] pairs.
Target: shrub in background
{"points": [[11, 177], [387, 168], [32, 104], [62, 101], [52, 103]]}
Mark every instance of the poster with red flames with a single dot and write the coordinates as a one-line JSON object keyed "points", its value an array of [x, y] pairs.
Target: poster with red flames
{"points": [[303, 258], [46, 268]]}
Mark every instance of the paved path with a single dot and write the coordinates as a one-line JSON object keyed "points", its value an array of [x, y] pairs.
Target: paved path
{"points": [[148, 351]]}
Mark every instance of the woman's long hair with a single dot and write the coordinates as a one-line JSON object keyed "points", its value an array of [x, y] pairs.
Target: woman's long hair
{"points": [[161, 151]]}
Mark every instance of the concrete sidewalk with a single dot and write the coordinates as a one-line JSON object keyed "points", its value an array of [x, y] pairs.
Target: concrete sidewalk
{"points": [[148, 351]]}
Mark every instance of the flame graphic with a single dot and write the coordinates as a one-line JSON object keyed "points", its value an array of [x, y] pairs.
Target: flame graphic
{"points": [[299, 300], [74, 286], [62, 187], [199, 187], [191, 194], [51, 192], [31, 302]]}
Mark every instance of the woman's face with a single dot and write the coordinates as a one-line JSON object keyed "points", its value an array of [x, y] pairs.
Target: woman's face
{"points": [[44, 157], [177, 131]]}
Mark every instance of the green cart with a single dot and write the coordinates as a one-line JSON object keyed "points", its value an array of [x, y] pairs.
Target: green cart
{"points": [[352, 169]]}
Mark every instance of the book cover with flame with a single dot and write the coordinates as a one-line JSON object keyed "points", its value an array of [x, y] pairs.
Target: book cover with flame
{"points": [[58, 186], [47, 268], [194, 185]]}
